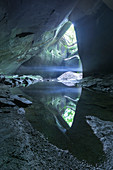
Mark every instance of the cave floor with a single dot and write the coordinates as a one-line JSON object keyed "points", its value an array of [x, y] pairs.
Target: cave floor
{"points": [[31, 137]]}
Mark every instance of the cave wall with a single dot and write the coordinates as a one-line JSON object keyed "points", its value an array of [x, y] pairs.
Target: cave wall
{"points": [[28, 27], [95, 41], [23, 29]]}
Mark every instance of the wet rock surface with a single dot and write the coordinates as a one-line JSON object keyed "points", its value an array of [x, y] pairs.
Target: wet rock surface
{"points": [[8, 101], [20, 101], [14, 100], [2, 78], [102, 83], [5, 102], [70, 78], [104, 131], [16, 80]]}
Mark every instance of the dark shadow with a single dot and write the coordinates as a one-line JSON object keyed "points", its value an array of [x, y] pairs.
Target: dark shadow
{"points": [[23, 34]]}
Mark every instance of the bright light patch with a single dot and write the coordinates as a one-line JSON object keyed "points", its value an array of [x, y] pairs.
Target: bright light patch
{"points": [[69, 41], [70, 36], [68, 116]]}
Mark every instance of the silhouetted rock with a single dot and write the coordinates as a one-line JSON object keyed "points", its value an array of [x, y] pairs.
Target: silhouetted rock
{"points": [[4, 102], [20, 101], [8, 82], [105, 83], [2, 78], [21, 111], [3, 95], [27, 82]]}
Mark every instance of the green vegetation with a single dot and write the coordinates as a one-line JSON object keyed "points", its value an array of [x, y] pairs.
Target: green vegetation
{"points": [[69, 41], [68, 116], [70, 36]]}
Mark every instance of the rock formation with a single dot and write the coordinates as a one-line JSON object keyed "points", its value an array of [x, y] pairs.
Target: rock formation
{"points": [[30, 31]]}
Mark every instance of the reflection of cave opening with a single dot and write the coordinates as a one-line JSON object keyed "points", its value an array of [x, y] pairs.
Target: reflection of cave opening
{"points": [[73, 68], [72, 62]]}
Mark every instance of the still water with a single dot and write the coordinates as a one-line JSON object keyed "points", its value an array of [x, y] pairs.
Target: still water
{"points": [[73, 119]]}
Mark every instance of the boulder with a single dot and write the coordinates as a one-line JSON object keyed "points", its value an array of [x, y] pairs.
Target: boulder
{"points": [[2, 78], [8, 82], [20, 101], [4, 102], [21, 111], [3, 95]]}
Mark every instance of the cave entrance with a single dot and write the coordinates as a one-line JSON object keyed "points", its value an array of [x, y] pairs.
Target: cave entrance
{"points": [[72, 62], [58, 58]]}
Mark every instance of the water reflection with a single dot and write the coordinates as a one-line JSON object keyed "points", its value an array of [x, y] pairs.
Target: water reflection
{"points": [[54, 114], [53, 110], [58, 99]]}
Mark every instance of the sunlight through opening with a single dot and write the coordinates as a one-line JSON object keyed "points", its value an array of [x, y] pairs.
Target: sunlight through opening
{"points": [[74, 70]]}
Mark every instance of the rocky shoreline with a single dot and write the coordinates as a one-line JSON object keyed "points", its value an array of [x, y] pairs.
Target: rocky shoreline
{"points": [[24, 148], [17, 81], [21, 146], [103, 83]]}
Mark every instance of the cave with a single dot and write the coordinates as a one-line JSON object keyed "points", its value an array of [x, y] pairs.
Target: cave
{"points": [[56, 84], [58, 59]]}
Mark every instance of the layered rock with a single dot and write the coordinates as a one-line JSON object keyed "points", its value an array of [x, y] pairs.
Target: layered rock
{"points": [[30, 30]]}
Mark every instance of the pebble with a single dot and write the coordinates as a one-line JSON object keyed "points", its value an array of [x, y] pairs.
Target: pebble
{"points": [[21, 111]]}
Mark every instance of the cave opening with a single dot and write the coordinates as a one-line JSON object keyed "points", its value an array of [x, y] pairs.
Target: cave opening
{"points": [[72, 69], [48, 118], [58, 58]]}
